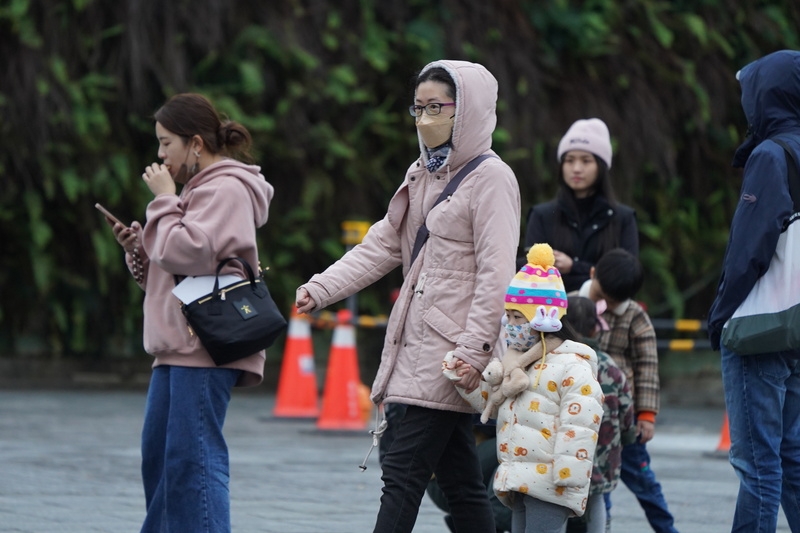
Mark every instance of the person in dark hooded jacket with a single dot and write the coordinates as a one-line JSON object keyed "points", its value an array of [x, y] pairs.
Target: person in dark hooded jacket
{"points": [[762, 391]]}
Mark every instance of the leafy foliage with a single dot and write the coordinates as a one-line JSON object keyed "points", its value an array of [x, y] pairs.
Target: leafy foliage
{"points": [[323, 88]]}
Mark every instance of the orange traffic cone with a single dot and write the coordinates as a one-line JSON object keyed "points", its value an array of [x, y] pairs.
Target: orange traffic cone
{"points": [[364, 402], [724, 445], [341, 408], [297, 386]]}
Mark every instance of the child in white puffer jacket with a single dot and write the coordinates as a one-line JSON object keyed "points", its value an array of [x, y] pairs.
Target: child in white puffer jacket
{"points": [[547, 421]]}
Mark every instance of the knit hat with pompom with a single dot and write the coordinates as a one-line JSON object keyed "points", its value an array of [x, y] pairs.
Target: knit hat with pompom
{"points": [[537, 290]]}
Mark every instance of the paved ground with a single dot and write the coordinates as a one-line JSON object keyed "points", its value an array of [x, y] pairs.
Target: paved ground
{"points": [[70, 464]]}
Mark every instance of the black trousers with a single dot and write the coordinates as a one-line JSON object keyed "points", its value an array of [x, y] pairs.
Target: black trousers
{"points": [[431, 441]]}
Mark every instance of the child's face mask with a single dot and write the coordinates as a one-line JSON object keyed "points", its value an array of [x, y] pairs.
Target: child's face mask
{"points": [[521, 337]]}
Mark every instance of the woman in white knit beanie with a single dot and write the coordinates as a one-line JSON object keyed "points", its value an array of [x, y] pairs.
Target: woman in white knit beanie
{"points": [[584, 220]]}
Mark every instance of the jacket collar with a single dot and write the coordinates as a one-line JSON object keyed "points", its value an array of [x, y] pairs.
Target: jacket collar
{"points": [[600, 208]]}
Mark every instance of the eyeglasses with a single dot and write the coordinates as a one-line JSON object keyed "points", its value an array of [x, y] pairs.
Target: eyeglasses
{"points": [[430, 109]]}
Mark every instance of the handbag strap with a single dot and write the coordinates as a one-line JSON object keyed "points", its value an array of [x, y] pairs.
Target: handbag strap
{"points": [[250, 275], [246, 266], [449, 189], [794, 178]]}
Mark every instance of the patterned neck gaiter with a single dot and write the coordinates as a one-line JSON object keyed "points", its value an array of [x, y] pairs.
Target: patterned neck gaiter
{"points": [[437, 157]]}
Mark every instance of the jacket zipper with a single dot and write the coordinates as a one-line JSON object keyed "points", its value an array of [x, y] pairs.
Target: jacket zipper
{"points": [[420, 288]]}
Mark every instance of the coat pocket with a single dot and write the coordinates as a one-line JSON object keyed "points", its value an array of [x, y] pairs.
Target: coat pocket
{"points": [[442, 324], [451, 223]]}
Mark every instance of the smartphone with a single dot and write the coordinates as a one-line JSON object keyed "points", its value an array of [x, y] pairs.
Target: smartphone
{"points": [[108, 215]]}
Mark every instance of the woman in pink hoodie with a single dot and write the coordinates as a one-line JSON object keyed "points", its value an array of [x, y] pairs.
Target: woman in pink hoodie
{"points": [[215, 215], [452, 294]]}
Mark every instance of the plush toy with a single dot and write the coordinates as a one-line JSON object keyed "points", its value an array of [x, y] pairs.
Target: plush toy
{"points": [[493, 375], [515, 364], [513, 376]]}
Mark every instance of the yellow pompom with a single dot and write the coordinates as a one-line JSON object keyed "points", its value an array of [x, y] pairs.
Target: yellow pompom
{"points": [[541, 255]]}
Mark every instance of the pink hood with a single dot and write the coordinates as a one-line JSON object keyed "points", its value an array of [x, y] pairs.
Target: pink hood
{"points": [[250, 175], [476, 118]]}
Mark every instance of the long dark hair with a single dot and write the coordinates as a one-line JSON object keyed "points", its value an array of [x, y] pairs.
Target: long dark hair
{"points": [[567, 331], [190, 114], [608, 238]]}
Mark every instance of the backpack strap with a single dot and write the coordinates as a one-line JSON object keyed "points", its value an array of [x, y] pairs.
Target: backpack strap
{"points": [[794, 179], [449, 189]]}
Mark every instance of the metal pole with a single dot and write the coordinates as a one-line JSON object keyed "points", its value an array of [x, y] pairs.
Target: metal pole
{"points": [[353, 232]]}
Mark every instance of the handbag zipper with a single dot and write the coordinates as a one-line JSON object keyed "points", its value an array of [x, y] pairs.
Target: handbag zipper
{"points": [[223, 291]]}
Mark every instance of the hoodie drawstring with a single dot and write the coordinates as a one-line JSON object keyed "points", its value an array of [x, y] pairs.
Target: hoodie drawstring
{"points": [[541, 363], [376, 433]]}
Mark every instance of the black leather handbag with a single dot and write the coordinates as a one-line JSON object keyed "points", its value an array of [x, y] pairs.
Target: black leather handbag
{"points": [[237, 320]]}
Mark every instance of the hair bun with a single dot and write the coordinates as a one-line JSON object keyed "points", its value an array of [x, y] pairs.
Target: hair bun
{"points": [[231, 134]]}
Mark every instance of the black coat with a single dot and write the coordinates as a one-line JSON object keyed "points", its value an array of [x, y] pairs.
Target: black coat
{"points": [[584, 247]]}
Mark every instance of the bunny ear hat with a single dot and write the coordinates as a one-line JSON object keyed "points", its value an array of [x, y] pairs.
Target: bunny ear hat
{"points": [[537, 291]]}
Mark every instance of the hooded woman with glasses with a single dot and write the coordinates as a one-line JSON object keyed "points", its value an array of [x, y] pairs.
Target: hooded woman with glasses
{"points": [[452, 294]]}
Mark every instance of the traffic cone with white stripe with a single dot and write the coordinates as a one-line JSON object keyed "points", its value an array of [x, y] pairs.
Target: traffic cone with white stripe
{"points": [[341, 408], [297, 386]]}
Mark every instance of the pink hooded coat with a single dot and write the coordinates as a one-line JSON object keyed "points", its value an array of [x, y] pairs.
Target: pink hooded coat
{"points": [[215, 216], [452, 296]]}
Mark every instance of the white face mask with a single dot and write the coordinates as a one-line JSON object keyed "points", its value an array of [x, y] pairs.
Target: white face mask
{"points": [[521, 337], [435, 130]]}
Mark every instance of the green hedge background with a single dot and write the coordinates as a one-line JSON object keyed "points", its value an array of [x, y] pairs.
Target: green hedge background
{"points": [[323, 88]]}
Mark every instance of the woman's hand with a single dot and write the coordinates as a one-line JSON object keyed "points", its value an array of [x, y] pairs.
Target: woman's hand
{"points": [[470, 377], [158, 179], [563, 262], [128, 238], [303, 301]]}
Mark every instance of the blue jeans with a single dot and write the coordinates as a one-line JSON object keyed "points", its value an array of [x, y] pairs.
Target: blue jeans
{"points": [[432, 441], [641, 481], [762, 396], [184, 455]]}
